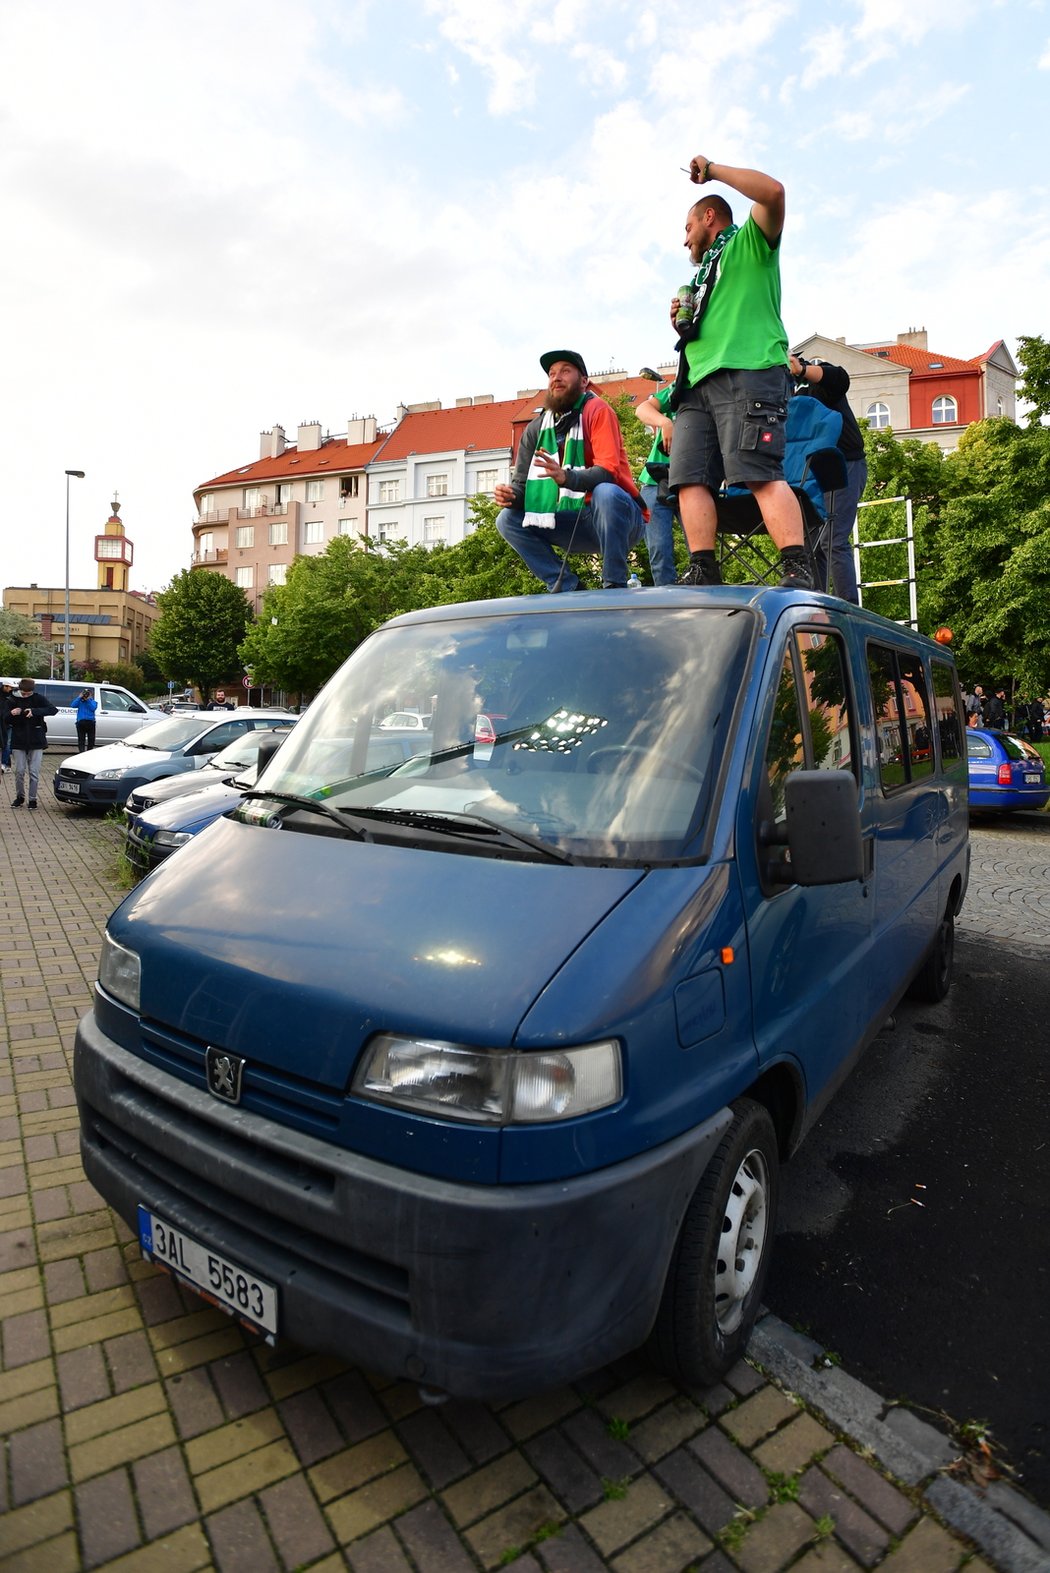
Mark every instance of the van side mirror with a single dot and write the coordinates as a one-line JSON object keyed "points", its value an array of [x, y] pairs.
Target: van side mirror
{"points": [[823, 827]]}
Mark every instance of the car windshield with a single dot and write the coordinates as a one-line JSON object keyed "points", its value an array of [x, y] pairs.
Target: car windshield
{"points": [[598, 733], [172, 733], [243, 752]]}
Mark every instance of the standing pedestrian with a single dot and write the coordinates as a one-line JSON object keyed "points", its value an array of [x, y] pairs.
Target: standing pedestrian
{"points": [[26, 711], [6, 695], [85, 706]]}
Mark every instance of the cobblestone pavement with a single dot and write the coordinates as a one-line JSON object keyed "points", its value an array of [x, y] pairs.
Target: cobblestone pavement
{"points": [[144, 1430]]}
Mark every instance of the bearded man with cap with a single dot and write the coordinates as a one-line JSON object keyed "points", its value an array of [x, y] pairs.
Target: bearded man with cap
{"points": [[572, 485]]}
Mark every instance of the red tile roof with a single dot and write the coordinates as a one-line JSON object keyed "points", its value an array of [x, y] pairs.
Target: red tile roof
{"points": [[334, 456], [918, 361]]}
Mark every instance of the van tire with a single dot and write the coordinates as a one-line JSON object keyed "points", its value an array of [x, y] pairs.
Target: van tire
{"points": [[705, 1317], [934, 978]]}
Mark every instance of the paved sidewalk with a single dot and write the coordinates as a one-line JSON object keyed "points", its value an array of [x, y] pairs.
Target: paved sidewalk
{"points": [[144, 1430]]}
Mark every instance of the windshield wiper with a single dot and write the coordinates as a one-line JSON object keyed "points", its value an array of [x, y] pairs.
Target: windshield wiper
{"points": [[465, 825], [294, 800]]}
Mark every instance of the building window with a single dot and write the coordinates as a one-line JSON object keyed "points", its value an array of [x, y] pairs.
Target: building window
{"points": [[251, 499], [347, 526], [313, 532], [348, 485], [277, 573], [434, 529], [244, 535], [208, 503], [284, 493], [1000, 407], [878, 415], [486, 480], [380, 535], [315, 491], [206, 543], [437, 485], [390, 491], [242, 578], [279, 533], [945, 411]]}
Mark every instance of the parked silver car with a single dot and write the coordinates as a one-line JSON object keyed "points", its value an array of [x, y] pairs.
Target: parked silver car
{"points": [[103, 777]]}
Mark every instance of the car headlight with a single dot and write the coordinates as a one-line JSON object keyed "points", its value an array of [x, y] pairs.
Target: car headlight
{"points": [[110, 775], [120, 972], [490, 1086], [171, 838]]}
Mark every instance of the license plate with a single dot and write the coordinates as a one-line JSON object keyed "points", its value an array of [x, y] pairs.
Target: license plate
{"points": [[73, 787], [1032, 778], [224, 1283]]}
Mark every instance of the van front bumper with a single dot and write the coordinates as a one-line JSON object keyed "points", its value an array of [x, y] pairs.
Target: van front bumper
{"points": [[482, 1291]]}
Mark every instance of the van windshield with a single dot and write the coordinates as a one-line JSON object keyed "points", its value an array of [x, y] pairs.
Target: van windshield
{"points": [[600, 733]]}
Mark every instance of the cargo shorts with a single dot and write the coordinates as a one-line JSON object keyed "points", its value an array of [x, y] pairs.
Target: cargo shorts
{"points": [[732, 427]]}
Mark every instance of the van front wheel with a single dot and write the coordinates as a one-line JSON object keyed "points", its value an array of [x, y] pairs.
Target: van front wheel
{"points": [[933, 980], [714, 1283]]}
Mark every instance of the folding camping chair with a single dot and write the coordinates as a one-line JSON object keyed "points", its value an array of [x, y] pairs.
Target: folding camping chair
{"points": [[813, 467]]}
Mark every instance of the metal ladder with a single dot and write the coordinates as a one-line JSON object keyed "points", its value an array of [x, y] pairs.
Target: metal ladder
{"points": [[907, 540]]}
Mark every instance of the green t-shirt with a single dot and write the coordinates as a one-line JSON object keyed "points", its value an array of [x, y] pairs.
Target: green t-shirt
{"points": [[657, 453], [741, 327]]}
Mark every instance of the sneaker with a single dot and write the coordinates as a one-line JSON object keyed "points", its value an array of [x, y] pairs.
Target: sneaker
{"points": [[797, 574], [31, 803], [19, 800], [701, 573]]}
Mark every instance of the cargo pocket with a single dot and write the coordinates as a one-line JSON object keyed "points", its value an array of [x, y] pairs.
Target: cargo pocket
{"points": [[764, 427]]}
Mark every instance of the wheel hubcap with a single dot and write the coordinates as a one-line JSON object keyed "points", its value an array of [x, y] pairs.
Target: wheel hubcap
{"points": [[743, 1240]]}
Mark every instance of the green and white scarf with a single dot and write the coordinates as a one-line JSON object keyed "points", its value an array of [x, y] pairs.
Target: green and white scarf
{"points": [[543, 496], [705, 278]]}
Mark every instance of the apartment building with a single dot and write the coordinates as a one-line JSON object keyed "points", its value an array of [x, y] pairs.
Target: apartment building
{"points": [[918, 392], [291, 501]]}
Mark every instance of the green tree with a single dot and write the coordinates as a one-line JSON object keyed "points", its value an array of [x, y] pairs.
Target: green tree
{"points": [[1034, 355], [23, 633], [13, 660], [125, 673], [202, 623]]}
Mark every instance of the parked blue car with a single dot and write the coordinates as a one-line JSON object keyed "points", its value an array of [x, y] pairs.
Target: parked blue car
{"points": [[1006, 772], [478, 1068]]}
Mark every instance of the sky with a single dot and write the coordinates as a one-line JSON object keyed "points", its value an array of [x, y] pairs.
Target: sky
{"points": [[222, 215]]}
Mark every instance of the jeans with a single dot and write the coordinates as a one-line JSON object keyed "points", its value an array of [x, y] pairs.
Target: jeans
{"points": [[27, 759], [609, 525], [659, 537], [843, 568], [5, 746]]}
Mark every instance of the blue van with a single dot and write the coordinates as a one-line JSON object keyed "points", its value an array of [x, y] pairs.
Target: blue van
{"points": [[478, 1068]]}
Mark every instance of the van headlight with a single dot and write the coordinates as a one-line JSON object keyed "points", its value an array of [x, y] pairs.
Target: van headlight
{"points": [[120, 972], [490, 1086]]}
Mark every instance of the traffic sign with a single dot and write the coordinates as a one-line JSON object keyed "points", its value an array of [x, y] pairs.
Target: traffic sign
{"points": [[246, 682]]}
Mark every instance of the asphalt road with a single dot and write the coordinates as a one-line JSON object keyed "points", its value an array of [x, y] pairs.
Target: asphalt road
{"points": [[914, 1237]]}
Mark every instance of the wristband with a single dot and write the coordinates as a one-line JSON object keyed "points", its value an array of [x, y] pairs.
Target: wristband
{"points": [[705, 172]]}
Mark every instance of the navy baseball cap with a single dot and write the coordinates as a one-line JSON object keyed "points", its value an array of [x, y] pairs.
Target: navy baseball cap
{"points": [[574, 359]]}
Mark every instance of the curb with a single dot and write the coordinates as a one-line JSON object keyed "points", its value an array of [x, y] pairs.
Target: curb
{"points": [[1012, 1530]]}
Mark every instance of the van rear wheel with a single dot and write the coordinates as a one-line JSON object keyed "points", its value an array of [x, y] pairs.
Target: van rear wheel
{"points": [[933, 980], [718, 1269]]}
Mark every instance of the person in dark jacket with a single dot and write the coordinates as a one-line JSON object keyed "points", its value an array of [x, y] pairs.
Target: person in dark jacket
{"points": [[995, 710], [26, 710], [830, 385]]}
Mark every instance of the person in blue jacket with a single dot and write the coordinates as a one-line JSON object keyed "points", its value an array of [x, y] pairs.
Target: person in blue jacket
{"points": [[85, 705]]}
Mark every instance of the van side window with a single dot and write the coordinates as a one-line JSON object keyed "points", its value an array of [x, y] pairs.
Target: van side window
{"points": [[59, 693], [902, 709], [786, 747], [113, 699], [951, 725], [827, 693], [810, 729]]}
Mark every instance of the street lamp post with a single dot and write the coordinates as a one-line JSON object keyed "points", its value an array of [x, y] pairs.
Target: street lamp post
{"points": [[65, 642]]}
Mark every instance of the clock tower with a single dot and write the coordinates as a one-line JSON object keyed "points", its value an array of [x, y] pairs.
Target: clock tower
{"points": [[114, 553]]}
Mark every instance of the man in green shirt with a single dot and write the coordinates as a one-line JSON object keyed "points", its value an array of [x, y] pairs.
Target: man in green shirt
{"points": [[659, 532], [734, 383]]}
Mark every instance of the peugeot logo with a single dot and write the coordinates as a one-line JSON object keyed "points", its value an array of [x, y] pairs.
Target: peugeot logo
{"points": [[225, 1073]]}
